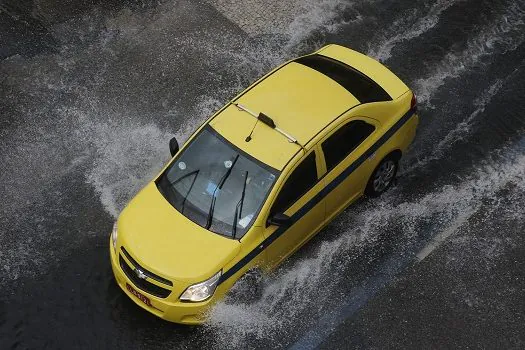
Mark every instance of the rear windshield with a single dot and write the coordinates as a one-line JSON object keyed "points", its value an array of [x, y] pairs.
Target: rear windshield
{"points": [[358, 84], [216, 185]]}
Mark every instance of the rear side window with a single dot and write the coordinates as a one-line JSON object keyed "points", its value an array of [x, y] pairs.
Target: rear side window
{"points": [[300, 181], [344, 141]]}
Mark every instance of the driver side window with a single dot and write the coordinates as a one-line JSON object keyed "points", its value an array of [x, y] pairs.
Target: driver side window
{"points": [[302, 179]]}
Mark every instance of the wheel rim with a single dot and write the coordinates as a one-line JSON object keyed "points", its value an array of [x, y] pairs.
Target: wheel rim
{"points": [[384, 175]]}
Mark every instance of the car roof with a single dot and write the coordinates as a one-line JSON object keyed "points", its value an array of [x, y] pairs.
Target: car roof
{"points": [[300, 100]]}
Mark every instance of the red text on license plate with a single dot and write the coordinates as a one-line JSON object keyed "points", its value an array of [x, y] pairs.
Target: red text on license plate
{"points": [[139, 295]]}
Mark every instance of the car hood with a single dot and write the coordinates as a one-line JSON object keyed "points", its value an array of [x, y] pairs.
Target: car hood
{"points": [[165, 242]]}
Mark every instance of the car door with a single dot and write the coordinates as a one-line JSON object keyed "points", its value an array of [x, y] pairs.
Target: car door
{"points": [[346, 176], [296, 199]]}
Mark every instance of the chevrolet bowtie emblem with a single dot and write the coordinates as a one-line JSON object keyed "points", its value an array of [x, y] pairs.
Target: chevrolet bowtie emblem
{"points": [[140, 274]]}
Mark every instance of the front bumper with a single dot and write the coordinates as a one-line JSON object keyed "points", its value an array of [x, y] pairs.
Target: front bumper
{"points": [[167, 309]]}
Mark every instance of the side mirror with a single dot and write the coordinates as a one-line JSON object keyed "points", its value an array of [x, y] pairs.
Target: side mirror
{"points": [[174, 146], [279, 219]]}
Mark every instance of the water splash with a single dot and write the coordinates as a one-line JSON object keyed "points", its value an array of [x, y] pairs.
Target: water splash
{"points": [[460, 131], [316, 15], [383, 51], [498, 38], [294, 18], [251, 61], [289, 295], [127, 156], [119, 151], [99, 120]]}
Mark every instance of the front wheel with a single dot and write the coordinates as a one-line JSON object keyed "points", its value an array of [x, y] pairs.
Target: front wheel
{"points": [[382, 177]]}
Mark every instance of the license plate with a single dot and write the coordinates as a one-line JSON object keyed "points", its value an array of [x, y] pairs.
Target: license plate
{"points": [[139, 295]]}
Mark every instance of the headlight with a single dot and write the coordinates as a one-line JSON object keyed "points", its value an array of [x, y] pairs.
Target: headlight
{"points": [[201, 291], [114, 235]]}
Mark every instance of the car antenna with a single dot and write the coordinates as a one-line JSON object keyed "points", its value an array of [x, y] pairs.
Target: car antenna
{"points": [[268, 121]]}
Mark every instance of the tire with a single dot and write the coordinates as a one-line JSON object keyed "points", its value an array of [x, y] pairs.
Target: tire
{"points": [[383, 176], [247, 290]]}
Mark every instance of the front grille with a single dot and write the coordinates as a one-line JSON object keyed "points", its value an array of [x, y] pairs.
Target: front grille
{"points": [[140, 283], [146, 272]]}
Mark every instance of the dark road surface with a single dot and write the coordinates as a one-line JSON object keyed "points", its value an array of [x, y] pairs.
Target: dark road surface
{"points": [[91, 92]]}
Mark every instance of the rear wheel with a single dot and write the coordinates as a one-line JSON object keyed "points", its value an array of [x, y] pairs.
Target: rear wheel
{"points": [[382, 177]]}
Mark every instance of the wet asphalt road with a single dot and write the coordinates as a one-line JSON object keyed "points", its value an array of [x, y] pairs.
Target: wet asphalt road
{"points": [[91, 92]]}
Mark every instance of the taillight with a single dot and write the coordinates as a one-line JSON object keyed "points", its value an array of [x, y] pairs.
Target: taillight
{"points": [[413, 103]]}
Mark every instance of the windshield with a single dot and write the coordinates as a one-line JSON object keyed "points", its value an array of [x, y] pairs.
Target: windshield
{"points": [[217, 186]]}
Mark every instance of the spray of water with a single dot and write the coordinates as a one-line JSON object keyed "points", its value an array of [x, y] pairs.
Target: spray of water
{"points": [[458, 133], [120, 151], [296, 18], [504, 35], [402, 29], [251, 61], [316, 15], [126, 156], [92, 123], [288, 295]]}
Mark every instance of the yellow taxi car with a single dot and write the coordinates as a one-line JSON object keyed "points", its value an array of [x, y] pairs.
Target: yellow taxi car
{"points": [[259, 178]]}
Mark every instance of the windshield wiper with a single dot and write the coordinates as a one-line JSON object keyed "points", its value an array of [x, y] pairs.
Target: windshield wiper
{"points": [[196, 173], [219, 186], [238, 207], [172, 184]]}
